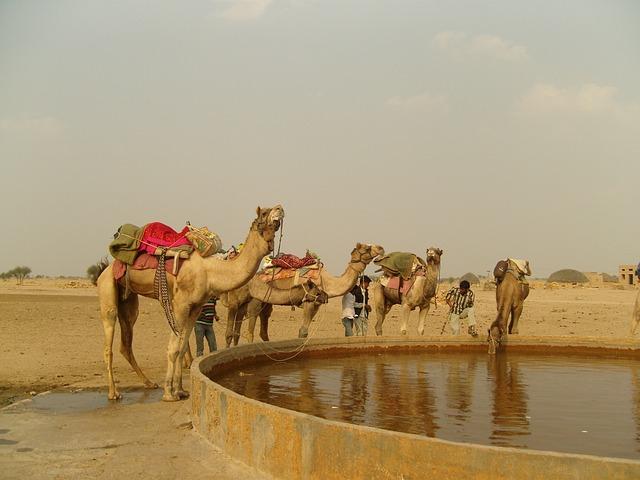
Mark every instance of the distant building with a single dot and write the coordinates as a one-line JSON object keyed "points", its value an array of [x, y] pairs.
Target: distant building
{"points": [[626, 274]]}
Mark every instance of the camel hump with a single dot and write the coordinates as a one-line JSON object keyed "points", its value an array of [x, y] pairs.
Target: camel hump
{"points": [[399, 263]]}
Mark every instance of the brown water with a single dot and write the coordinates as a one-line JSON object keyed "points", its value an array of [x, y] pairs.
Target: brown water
{"points": [[574, 404]]}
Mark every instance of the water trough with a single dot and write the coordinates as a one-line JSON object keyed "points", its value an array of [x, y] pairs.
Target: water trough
{"points": [[292, 445]]}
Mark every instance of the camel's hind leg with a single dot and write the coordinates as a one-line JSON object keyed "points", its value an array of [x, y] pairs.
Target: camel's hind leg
{"points": [[235, 315], [515, 316], [265, 314], [108, 297], [379, 306], [128, 314], [253, 310], [635, 320]]}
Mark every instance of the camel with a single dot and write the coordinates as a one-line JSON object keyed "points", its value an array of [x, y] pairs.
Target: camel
{"points": [[361, 256], [510, 296], [257, 298], [419, 295], [635, 319], [198, 279]]}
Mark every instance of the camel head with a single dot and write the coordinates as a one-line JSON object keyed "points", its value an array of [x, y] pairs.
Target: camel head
{"points": [[365, 253], [433, 255], [268, 222], [313, 293]]}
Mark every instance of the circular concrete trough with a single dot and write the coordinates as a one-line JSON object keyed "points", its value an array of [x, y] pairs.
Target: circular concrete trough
{"points": [[292, 445]]}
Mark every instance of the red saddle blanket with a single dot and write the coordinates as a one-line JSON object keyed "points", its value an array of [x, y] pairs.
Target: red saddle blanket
{"points": [[287, 260], [144, 261], [158, 234]]}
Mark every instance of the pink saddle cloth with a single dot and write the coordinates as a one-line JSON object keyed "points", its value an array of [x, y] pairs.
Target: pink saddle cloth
{"points": [[288, 260], [394, 282], [277, 273], [144, 261], [158, 234]]}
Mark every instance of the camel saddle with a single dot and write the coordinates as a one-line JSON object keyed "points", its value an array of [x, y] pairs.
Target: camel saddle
{"points": [[401, 264], [299, 275], [398, 283], [144, 261]]}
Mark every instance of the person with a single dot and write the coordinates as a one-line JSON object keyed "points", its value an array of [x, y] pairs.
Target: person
{"points": [[460, 300], [348, 311], [362, 307], [204, 327]]}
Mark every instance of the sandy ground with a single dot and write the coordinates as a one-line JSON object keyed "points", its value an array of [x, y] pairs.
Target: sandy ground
{"points": [[52, 339]]}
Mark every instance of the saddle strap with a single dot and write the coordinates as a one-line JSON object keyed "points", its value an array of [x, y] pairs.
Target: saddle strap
{"points": [[161, 290]]}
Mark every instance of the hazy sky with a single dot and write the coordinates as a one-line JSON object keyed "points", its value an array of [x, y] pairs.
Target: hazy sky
{"points": [[489, 129]]}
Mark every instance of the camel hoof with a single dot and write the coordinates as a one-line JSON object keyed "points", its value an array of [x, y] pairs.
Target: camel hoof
{"points": [[303, 333], [115, 396], [167, 397], [182, 394], [421, 332], [150, 385], [515, 332], [403, 332]]}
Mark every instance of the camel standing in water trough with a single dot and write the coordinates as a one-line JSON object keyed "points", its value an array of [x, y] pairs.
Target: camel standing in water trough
{"points": [[419, 295], [257, 298], [511, 293], [361, 256], [198, 279]]}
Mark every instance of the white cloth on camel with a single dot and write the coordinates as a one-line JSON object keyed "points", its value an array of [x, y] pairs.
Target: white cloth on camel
{"points": [[522, 265]]}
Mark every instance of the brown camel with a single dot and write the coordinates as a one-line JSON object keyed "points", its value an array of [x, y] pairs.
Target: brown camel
{"points": [[419, 295], [635, 318], [332, 286], [511, 293], [257, 298], [198, 279]]}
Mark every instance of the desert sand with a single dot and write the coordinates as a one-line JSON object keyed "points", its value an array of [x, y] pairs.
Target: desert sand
{"points": [[52, 339]]}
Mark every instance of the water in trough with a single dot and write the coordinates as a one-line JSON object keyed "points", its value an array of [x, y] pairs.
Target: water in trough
{"points": [[567, 403]]}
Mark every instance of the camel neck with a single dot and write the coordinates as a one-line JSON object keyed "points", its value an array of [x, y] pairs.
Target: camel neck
{"points": [[336, 286], [225, 275]]}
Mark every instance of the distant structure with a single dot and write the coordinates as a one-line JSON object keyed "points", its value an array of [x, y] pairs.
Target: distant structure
{"points": [[594, 277], [567, 276], [626, 274], [472, 278]]}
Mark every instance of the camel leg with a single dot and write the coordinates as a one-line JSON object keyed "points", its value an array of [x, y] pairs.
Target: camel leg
{"points": [[378, 306], [188, 357], [237, 324], [232, 315], [310, 310], [515, 316], [498, 328], [176, 349], [108, 296], [422, 316], [253, 310], [406, 312], [128, 314], [265, 314], [635, 320]]}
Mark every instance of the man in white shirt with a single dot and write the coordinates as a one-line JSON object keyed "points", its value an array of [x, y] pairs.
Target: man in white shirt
{"points": [[348, 311]]}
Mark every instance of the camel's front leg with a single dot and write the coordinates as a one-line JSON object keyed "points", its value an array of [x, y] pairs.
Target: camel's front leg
{"points": [[406, 312], [265, 314], [379, 307], [253, 310], [310, 309], [422, 317], [172, 355], [108, 323]]}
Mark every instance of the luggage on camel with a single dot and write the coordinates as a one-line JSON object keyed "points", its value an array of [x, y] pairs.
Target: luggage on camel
{"points": [[131, 243], [519, 267], [400, 264], [287, 265]]}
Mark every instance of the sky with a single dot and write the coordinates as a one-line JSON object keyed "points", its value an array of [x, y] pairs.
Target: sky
{"points": [[489, 129]]}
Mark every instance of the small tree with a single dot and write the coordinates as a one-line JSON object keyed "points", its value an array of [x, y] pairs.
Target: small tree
{"points": [[20, 273], [94, 271]]}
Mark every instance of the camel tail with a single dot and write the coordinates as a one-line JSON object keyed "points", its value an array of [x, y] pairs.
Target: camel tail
{"points": [[94, 271]]}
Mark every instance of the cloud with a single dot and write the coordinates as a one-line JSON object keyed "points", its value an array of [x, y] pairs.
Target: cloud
{"points": [[587, 98], [492, 46], [423, 102], [33, 127], [245, 10]]}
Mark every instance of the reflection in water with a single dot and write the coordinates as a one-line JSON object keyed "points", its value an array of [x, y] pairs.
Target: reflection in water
{"points": [[520, 400], [509, 402]]}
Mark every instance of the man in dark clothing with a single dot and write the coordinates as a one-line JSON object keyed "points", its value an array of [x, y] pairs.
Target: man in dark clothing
{"points": [[362, 307], [204, 327]]}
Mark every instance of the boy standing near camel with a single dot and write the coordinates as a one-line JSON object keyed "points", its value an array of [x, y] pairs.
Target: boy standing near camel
{"points": [[460, 300]]}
